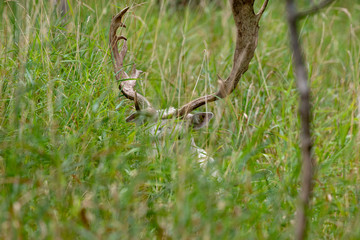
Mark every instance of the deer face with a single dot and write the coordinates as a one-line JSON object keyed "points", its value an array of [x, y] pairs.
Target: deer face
{"points": [[162, 128], [171, 127]]}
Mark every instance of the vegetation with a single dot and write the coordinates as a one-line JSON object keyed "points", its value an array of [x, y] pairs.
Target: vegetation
{"points": [[71, 167]]}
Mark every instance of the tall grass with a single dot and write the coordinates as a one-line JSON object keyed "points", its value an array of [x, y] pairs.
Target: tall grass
{"points": [[70, 167]]}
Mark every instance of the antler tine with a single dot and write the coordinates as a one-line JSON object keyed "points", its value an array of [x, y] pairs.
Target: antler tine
{"points": [[246, 22], [127, 84], [114, 39]]}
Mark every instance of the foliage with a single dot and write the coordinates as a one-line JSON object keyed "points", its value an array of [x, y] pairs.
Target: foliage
{"points": [[70, 166]]}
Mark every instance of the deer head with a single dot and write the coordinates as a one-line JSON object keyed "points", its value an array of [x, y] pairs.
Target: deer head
{"points": [[247, 25]]}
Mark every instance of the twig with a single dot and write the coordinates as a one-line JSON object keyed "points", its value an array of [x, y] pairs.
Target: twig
{"points": [[262, 9], [308, 162], [316, 8]]}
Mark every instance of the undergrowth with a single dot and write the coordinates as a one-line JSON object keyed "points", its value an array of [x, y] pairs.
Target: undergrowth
{"points": [[72, 168]]}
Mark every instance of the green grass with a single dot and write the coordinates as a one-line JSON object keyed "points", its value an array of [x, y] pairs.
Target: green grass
{"points": [[72, 168]]}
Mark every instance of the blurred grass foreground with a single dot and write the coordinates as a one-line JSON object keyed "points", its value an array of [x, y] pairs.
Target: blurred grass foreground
{"points": [[72, 168]]}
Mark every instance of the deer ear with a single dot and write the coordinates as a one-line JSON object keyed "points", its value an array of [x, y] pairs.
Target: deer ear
{"points": [[140, 117], [199, 120], [133, 117]]}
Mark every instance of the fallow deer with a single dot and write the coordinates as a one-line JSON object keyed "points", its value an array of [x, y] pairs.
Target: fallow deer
{"points": [[247, 25]]}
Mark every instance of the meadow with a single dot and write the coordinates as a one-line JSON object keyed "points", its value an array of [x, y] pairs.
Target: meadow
{"points": [[72, 168]]}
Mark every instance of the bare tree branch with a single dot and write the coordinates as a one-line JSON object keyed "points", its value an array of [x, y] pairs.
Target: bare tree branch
{"points": [[262, 9], [314, 9], [308, 162]]}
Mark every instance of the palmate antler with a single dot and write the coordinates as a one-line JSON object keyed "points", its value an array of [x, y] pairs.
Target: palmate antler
{"points": [[127, 83], [246, 22], [247, 25]]}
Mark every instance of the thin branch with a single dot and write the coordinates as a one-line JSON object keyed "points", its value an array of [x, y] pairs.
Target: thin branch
{"points": [[308, 162], [262, 9], [316, 8], [305, 117]]}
